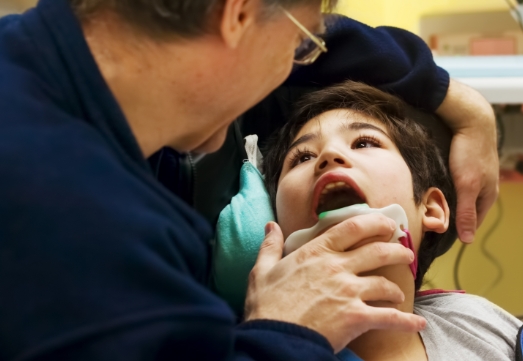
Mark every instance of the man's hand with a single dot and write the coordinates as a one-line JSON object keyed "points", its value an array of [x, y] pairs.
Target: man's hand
{"points": [[474, 160], [318, 285]]}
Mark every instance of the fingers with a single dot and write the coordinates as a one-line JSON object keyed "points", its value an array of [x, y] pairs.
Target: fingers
{"points": [[392, 319], [484, 203], [376, 255], [346, 234], [466, 217], [377, 288], [271, 249]]}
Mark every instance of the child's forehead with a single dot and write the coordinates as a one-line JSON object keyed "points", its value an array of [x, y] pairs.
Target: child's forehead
{"points": [[334, 120]]}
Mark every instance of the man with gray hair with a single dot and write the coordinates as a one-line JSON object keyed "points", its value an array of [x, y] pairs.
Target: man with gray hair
{"points": [[100, 261]]}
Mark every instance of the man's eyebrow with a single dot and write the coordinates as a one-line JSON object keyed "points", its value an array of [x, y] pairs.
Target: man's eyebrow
{"points": [[303, 139], [362, 125]]}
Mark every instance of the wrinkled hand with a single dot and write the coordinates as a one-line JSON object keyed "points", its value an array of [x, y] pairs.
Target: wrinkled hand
{"points": [[318, 285], [473, 160]]}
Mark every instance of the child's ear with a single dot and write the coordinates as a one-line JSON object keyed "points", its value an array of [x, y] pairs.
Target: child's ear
{"points": [[436, 216]]}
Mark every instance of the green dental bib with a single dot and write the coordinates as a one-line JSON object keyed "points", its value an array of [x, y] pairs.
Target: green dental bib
{"points": [[240, 232]]}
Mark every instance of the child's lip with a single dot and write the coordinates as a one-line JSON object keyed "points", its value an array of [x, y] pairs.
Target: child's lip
{"points": [[330, 177]]}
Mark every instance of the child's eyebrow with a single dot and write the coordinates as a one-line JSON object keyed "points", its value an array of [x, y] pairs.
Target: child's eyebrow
{"points": [[343, 127], [304, 139], [361, 125]]}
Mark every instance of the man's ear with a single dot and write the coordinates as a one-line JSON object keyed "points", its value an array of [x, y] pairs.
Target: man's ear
{"points": [[237, 16], [436, 216]]}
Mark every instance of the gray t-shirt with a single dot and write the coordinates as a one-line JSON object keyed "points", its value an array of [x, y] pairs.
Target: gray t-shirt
{"points": [[466, 328]]}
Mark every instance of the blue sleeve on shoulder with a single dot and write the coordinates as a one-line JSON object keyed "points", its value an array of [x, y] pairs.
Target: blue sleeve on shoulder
{"points": [[391, 59]]}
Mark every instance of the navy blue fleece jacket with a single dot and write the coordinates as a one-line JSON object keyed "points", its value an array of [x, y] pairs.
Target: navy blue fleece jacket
{"points": [[100, 261]]}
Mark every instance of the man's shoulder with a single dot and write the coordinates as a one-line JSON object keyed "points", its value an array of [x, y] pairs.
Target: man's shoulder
{"points": [[59, 161], [38, 135], [61, 181], [59, 168], [30, 79], [42, 131], [53, 149], [9, 22]]}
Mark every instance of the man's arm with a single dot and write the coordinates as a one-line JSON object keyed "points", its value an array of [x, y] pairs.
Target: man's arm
{"points": [[391, 59], [473, 157]]}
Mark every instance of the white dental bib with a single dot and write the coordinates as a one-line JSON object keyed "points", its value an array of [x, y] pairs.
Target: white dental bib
{"points": [[330, 218]]}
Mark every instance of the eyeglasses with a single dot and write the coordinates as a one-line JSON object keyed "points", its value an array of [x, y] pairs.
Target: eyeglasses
{"points": [[310, 48]]}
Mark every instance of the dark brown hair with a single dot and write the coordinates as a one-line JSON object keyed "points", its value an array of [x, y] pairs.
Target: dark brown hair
{"points": [[168, 18], [422, 156]]}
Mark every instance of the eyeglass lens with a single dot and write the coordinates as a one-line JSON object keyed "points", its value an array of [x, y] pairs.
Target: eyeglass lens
{"points": [[306, 48]]}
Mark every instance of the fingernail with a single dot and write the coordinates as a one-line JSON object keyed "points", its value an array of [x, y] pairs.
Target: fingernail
{"points": [[392, 224], [467, 237], [411, 256], [422, 324], [268, 228]]}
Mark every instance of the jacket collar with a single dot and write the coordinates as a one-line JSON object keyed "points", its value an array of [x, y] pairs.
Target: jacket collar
{"points": [[71, 67]]}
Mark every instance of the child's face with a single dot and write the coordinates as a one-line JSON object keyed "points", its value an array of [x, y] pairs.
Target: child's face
{"points": [[338, 159]]}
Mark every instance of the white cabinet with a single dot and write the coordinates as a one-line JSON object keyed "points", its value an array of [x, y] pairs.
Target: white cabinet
{"points": [[498, 78]]}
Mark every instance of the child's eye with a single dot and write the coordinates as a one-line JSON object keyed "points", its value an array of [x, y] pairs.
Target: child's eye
{"points": [[366, 142], [300, 156]]}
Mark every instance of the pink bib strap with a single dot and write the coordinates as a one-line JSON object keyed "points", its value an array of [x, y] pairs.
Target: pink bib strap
{"points": [[407, 242]]}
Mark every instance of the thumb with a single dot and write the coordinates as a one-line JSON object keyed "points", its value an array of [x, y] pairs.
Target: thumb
{"points": [[485, 202], [466, 217], [271, 250]]}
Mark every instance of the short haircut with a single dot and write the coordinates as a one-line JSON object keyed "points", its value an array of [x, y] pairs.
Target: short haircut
{"points": [[174, 18], [418, 149]]}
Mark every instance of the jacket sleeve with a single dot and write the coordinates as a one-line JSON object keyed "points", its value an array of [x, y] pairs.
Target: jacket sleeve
{"points": [[391, 59]]}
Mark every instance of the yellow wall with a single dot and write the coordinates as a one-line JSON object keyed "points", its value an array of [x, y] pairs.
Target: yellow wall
{"points": [[406, 13], [476, 272]]}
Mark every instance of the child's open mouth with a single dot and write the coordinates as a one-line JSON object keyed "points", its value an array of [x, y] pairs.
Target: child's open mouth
{"points": [[335, 190], [337, 195]]}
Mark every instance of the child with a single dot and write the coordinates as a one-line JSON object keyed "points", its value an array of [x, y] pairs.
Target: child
{"points": [[352, 144]]}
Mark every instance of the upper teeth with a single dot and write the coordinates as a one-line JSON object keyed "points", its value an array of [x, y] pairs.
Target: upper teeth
{"points": [[332, 186]]}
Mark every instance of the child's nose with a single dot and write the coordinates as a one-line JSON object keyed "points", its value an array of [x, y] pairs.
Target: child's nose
{"points": [[331, 158], [325, 163]]}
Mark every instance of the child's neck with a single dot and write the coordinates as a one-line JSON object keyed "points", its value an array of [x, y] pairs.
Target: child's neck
{"points": [[391, 345]]}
